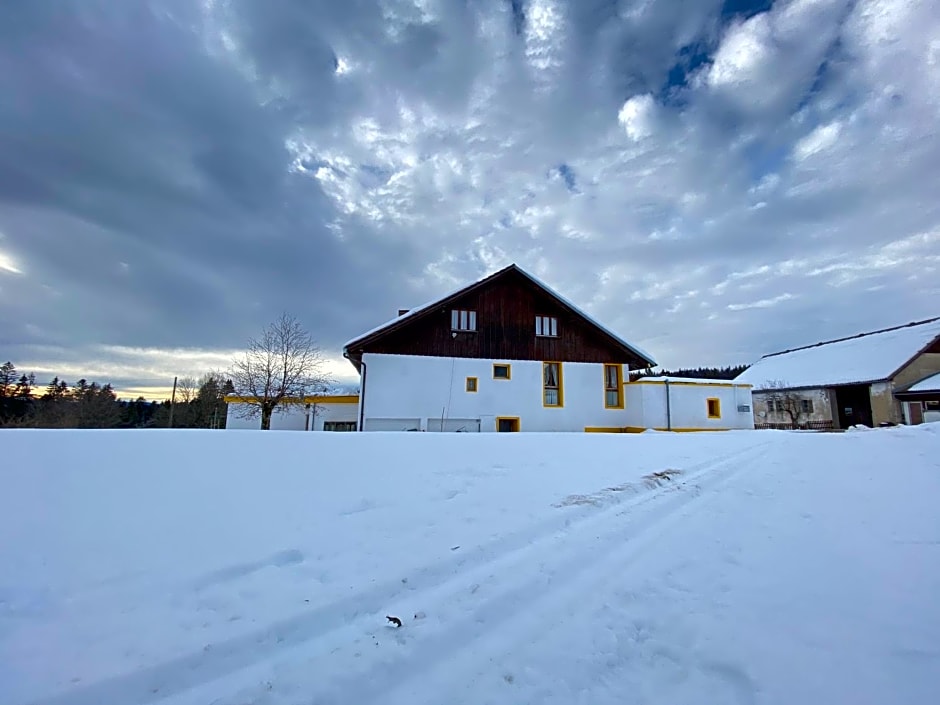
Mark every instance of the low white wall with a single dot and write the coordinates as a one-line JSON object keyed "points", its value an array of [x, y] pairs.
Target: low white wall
{"points": [[822, 407], [402, 391], [294, 418], [688, 406]]}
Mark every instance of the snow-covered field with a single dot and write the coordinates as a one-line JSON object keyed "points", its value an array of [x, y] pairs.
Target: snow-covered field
{"points": [[247, 567]]}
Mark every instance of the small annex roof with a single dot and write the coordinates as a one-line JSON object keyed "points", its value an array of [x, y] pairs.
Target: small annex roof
{"points": [[931, 384], [863, 358], [692, 380], [415, 312], [310, 399]]}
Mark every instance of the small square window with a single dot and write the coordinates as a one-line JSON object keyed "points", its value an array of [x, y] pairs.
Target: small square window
{"points": [[806, 406], [714, 408], [471, 384], [502, 371]]}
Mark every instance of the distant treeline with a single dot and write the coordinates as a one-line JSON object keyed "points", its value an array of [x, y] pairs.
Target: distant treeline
{"points": [[698, 372], [199, 404]]}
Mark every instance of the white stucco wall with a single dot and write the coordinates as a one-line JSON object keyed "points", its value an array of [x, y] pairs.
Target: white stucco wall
{"points": [[688, 405], [822, 407], [293, 418], [402, 390]]}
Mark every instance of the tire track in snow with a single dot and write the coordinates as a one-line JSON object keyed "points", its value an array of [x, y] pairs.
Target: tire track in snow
{"points": [[438, 581], [558, 569], [430, 670]]}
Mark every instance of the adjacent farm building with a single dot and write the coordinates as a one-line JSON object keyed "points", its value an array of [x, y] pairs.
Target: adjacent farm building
{"points": [[313, 413], [883, 377], [508, 354]]}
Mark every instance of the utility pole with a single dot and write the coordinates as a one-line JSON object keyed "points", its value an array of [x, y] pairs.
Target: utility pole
{"points": [[172, 402]]}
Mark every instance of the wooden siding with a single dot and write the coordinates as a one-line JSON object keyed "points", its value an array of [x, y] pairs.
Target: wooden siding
{"points": [[506, 310]]}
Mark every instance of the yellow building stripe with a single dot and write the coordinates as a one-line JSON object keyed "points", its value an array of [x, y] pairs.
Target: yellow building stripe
{"points": [[318, 399], [691, 384], [604, 429], [640, 429]]}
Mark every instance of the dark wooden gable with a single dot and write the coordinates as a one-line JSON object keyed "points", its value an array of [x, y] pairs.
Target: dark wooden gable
{"points": [[506, 306]]}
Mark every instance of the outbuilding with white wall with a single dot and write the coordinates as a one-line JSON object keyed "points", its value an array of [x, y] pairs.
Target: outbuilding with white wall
{"points": [[314, 413], [687, 404]]}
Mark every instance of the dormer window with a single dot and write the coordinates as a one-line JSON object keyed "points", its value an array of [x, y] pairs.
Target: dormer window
{"points": [[462, 319], [546, 326]]}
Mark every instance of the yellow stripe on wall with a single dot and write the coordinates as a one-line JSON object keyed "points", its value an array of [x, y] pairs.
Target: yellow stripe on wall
{"points": [[338, 399]]}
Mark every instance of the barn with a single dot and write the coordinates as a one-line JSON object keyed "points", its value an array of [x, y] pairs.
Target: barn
{"points": [[870, 379]]}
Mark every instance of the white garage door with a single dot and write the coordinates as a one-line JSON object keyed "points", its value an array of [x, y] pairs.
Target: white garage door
{"points": [[454, 425], [392, 424]]}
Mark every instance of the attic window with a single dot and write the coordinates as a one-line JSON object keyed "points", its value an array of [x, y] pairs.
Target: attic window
{"points": [[461, 319], [546, 326]]}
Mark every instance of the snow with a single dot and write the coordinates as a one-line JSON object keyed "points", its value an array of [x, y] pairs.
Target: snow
{"points": [[931, 384], [867, 358], [195, 567], [534, 280], [691, 380]]}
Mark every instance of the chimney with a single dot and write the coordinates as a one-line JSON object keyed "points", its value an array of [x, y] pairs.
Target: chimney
{"points": [[402, 311]]}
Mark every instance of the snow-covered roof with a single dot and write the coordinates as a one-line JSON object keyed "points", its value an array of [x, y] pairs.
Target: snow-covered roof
{"points": [[931, 384], [430, 304], [867, 357], [692, 380]]}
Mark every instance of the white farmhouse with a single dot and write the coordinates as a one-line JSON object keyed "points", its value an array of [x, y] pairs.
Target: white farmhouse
{"points": [[507, 353]]}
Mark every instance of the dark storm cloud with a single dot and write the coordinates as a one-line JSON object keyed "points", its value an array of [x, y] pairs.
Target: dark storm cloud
{"points": [[142, 179], [712, 179]]}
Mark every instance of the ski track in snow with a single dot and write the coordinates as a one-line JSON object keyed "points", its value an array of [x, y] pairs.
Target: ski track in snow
{"points": [[555, 572]]}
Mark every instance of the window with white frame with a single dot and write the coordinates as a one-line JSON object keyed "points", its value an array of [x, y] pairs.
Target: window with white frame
{"points": [[462, 319], [546, 326]]}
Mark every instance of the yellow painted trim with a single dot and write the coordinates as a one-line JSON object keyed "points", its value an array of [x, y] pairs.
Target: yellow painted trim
{"points": [[517, 419], [620, 389], [318, 399], [640, 429], [708, 407], [561, 385], [693, 384], [603, 429], [476, 385], [508, 371]]}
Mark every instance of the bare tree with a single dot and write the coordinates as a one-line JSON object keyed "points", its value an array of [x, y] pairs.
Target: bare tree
{"points": [[784, 401], [278, 370]]}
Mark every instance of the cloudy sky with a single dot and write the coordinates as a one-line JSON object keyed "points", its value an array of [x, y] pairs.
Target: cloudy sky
{"points": [[713, 179]]}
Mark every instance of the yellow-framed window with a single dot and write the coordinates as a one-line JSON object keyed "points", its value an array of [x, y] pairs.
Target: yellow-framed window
{"points": [[472, 384], [553, 394], [613, 386], [502, 370], [714, 407]]}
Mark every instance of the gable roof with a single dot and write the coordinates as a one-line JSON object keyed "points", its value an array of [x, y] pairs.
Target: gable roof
{"points": [[862, 358], [406, 318]]}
